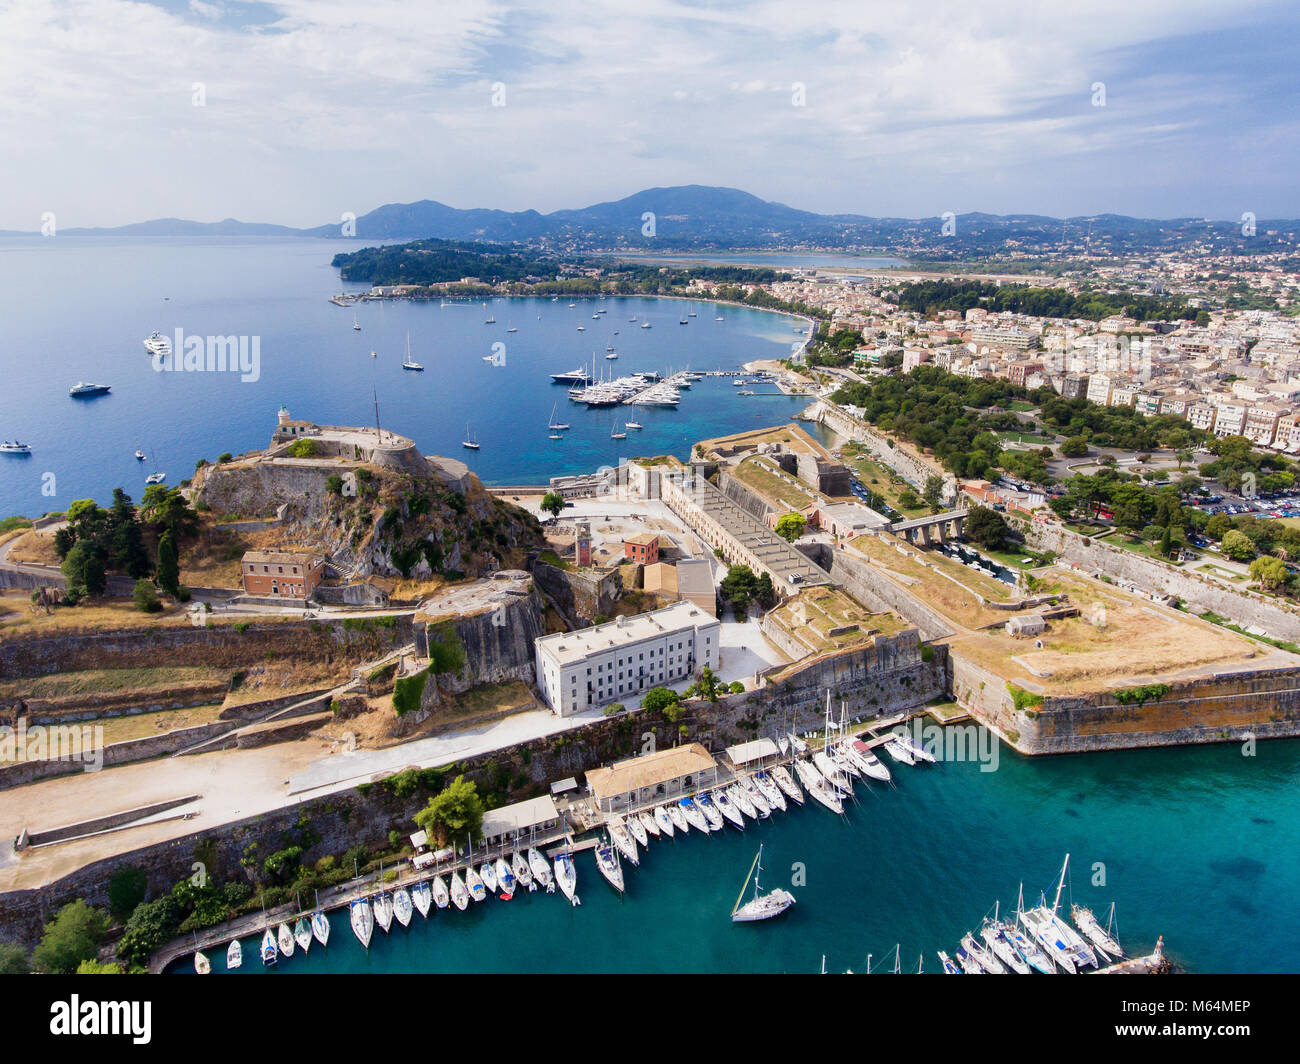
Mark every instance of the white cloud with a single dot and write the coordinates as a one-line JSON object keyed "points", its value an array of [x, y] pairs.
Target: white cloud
{"points": [[310, 103]]}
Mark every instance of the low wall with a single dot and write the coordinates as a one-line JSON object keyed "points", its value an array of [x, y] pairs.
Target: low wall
{"points": [[1242, 607], [878, 593], [104, 823], [24, 772], [744, 496], [121, 703]]}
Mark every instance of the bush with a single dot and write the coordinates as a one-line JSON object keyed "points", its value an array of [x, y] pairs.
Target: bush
{"points": [[13, 959], [126, 890], [408, 691], [152, 924], [303, 449], [225, 456], [146, 598]]}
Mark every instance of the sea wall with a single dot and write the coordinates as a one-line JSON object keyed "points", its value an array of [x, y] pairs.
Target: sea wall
{"points": [[1200, 593], [1227, 706], [888, 676]]}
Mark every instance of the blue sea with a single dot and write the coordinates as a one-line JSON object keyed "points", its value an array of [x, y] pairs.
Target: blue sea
{"points": [[78, 309], [1198, 844]]}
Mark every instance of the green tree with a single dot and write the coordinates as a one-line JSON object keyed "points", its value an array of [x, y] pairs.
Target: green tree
{"points": [[658, 698], [933, 493], [169, 574], [708, 685], [987, 527], [1218, 526], [152, 924], [1074, 447], [1237, 546], [791, 526], [1270, 572], [166, 510], [13, 959], [84, 568], [452, 814], [94, 967], [74, 935], [125, 539], [553, 503], [126, 890]]}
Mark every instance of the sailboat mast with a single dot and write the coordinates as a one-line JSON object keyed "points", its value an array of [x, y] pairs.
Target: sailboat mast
{"points": [[1060, 885]]}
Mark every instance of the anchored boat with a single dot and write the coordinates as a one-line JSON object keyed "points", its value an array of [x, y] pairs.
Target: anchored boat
{"points": [[761, 906]]}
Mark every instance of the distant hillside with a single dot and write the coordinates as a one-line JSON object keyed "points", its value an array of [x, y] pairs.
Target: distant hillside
{"points": [[702, 218]]}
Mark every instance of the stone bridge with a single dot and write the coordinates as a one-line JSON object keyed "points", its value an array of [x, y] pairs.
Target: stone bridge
{"points": [[920, 530]]}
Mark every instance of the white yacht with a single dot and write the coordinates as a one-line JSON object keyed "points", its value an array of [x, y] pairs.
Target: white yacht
{"points": [[14, 447], [302, 934], [722, 801], [566, 875], [541, 870], [320, 926], [234, 955], [422, 897], [1101, 938], [362, 920], [402, 906], [996, 940], [638, 830], [440, 895], [694, 815], [815, 783], [157, 345], [665, 821], [771, 792], [410, 363], [285, 939], [870, 764], [469, 442], [787, 784], [711, 812], [155, 478], [982, 956], [382, 903], [460, 892], [648, 822], [622, 839], [522, 869], [678, 816], [607, 862], [761, 906]]}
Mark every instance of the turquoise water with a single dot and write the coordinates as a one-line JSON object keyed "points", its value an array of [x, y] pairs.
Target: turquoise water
{"points": [[1198, 844], [78, 309]]}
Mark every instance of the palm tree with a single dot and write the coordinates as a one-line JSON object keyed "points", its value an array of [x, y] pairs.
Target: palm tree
{"points": [[1282, 554]]}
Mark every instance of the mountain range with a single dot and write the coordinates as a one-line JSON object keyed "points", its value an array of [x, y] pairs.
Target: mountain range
{"points": [[700, 218]]}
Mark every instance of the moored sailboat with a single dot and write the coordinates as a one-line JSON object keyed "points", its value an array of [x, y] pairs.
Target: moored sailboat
{"points": [[761, 906], [362, 919], [234, 955], [607, 862]]}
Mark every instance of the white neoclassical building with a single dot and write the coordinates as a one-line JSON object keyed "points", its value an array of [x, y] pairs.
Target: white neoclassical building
{"points": [[625, 657]]}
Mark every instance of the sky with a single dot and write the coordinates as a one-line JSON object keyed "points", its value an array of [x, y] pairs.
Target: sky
{"points": [[295, 112]]}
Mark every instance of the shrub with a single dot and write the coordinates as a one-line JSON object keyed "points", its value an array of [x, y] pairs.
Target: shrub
{"points": [[408, 691], [126, 890], [146, 598], [71, 937], [13, 959]]}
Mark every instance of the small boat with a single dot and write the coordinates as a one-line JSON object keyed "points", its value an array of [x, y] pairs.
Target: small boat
{"points": [[410, 363], [157, 345], [645, 325], [82, 390], [918, 752], [356, 324], [320, 927], [711, 812], [1086, 922], [474, 884], [302, 934], [1027, 948], [607, 862], [422, 897], [833, 772], [622, 839], [383, 906], [678, 816], [402, 906], [488, 874], [982, 957], [729, 803], [567, 876], [523, 872], [757, 798], [234, 956], [269, 953], [815, 783], [612, 355], [683, 321], [541, 870], [615, 435], [948, 967], [155, 478], [633, 425], [440, 895], [649, 823], [638, 830], [899, 752], [362, 919], [969, 965], [998, 943], [553, 425], [139, 456], [664, 821], [582, 328], [373, 354], [14, 447], [512, 329], [202, 966], [787, 784], [469, 441], [771, 792], [718, 318], [506, 880], [460, 892], [695, 815], [285, 938], [761, 906]]}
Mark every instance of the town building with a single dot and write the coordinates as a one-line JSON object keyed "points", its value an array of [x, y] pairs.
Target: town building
{"points": [[642, 549], [282, 574], [625, 657], [653, 778], [511, 823]]}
